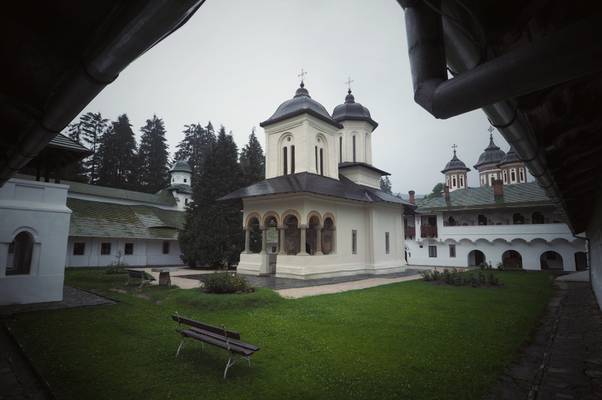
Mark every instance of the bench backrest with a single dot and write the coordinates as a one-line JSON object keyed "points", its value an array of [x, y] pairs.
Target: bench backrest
{"points": [[136, 273], [197, 324]]}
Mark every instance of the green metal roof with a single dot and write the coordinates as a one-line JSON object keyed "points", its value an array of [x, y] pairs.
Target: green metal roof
{"points": [[162, 197], [517, 195], [97, 219]]}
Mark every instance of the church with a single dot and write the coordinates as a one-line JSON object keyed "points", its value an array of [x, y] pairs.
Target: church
{"points": [[320, 211], [506, 221]]}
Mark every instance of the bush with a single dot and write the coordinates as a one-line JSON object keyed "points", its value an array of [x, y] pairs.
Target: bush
{"points": [[226, 282], [455, 277]]}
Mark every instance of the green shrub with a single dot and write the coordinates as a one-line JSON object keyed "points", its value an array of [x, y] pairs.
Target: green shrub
{"points": [[226, 282]]}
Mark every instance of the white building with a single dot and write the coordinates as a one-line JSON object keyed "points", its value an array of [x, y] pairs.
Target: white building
{"points": [[47, 226], [505, 221], [320, 212]]}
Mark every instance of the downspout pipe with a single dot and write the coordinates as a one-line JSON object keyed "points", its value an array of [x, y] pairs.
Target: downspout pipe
{"points": [[567, 54], [127, 33]]}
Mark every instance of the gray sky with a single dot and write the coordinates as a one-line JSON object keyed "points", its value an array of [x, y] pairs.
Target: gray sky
{"points": [[235, 61]]}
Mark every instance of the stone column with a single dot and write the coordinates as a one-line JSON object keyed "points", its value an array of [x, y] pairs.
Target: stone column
{"points": [[319, 241], [247, 240], [302, 251], [264, 236], [282, 249]]}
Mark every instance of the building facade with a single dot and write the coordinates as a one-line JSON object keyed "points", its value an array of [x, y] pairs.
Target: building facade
{"points": [[320, 212]]}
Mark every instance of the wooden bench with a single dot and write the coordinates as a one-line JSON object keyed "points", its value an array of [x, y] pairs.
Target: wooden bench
{"points": [[219, 337], [140, 275]]}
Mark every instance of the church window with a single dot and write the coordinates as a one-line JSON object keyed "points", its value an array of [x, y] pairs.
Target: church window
{"points": [[521, 174], [432, 251], [354, 148], [20, 253], [454, 181], [513, 176], [452, 251], [321, 161], [105, 248], [354, 242], [292, 159], [79, 248], [316, 151], [166, 247], [129, 249], [482, 220], [284, 161], [387, 247], [461, 181], [340, 148], [505, 176]]}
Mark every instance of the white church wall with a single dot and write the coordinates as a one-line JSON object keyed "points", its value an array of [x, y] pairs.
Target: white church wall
{"points": [[40, 209], [387, 219], [362, 176], [362, 132]]}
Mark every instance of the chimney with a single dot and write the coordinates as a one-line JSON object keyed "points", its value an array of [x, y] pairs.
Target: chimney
{"points": [[498, 189], [412, 196], [446, 192]]}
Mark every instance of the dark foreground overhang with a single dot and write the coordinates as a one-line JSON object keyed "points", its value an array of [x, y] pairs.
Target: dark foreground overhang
{"points": [[57, 56]]}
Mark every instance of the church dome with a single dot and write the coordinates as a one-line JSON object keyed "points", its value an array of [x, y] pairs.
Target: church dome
{"points": [[352, 111], [455, 164], [181, 166], [510, 158], [301, 103], [491, 155]]}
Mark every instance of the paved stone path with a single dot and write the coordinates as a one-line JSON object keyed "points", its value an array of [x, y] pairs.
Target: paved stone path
{"points": [[564, 361]]}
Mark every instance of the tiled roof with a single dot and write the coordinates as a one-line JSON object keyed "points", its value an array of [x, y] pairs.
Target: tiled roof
{"points": [[514, 195], [97, 219], [305, 182], [162, 197], [64, 142]]}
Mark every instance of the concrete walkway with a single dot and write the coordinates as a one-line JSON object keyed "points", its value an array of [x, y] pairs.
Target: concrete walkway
{"points": [[295, 293], [564, 359]]}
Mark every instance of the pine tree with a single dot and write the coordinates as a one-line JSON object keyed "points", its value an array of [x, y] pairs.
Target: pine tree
{"points": [[117, 153], [88, 131], [75, 171], [385, 185], [212, 235], [198, 142], [153, 156], [252, 160]]}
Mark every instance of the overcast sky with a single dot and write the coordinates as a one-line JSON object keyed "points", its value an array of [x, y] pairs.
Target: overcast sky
{"points": [[235, 61]]}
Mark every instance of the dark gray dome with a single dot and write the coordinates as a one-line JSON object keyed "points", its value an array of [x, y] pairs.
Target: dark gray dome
{"points": [[455, 164], [352, 111], [301, 103], [181, 166], [510, 158], [491, 155]]}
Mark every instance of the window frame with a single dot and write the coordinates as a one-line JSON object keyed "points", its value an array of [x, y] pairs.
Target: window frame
{"points": [[165, 249], [353, 241], [103, 246], [432, 249], [125, 249], [75, 251], [387, 243], [452, 251]]}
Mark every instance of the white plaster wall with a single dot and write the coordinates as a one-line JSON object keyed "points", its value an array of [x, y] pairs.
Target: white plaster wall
{"points": [[363, 141], [369, 221], [182, 200], [146, 252], [304, 130], [362, 176], [180, 177], [39, 208]]}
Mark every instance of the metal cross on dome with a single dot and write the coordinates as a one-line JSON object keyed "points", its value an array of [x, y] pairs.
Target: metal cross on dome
{"points": [[348, 82], [302, 75], [454, 147]]}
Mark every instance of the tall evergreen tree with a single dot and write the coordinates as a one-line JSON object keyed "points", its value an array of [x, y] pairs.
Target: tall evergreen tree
{"points": [[88, 131], [212, 234], [153, 156], [198, 142], [75, 171], [252, 160], [117, 153], [385, 185]]}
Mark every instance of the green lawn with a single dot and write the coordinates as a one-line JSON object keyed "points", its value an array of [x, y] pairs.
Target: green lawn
{"points": [[407, 340]]}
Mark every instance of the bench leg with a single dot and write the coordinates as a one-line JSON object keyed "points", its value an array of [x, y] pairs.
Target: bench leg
{"points": [[233, 360], [180, 348]]}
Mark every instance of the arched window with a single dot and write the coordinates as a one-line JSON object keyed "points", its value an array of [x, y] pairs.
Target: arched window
{"points": [[340, 149], [353, 148], [461, 181], [482, 220], [537, 218], [288, 155], [291, 235], [518, 219], [20, 252], [454, 181], [505, 176], [513, 175], [521, 174], [328, 236]]}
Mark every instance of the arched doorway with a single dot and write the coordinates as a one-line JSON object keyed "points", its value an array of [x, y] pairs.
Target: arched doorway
{"points": [[328, 238], [313, 232], [512, 259], [20, 253], [518, 219], [292, 235], [551, 260], [255, 235], [537, 218], [580, 261], [476, 258]]}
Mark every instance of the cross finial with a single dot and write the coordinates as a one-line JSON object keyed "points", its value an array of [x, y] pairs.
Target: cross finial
{"points": [[302, 75], [490, 129], [454, 147], [349, 81]]}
